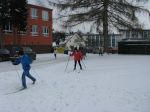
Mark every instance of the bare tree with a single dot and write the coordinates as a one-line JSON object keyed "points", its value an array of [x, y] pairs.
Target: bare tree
{"points": [[104, 14]]}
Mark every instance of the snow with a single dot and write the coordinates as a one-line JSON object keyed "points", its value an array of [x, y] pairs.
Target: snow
{"points": [[43, 3], [109, 83]]}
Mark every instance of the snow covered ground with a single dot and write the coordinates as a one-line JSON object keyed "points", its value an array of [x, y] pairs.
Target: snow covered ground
{"points": [[109, 83]]}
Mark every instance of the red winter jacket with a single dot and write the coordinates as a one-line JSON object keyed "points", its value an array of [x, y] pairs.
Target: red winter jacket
{"points": [[77, 55]]}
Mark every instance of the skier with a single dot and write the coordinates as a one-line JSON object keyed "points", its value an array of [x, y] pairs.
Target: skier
{"points": [[77, 58], [25, 60], [101, 50], [55, 52]]}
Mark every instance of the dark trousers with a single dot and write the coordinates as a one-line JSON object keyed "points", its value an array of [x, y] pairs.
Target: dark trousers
{"points": [[55, 56], [75, 63], [24, 74]]}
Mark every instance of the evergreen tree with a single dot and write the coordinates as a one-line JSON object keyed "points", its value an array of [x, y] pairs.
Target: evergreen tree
{"points": [[18, 17], [104, 14], [57, 36], [4, 18]]}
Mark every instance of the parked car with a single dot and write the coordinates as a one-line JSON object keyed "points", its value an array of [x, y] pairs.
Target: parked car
{"points": [[89, 50], [95, 50], [112, 50], [4, 55], [27, 50]]}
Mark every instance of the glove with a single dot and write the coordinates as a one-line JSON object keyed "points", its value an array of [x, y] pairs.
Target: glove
{"points": [[70, 54], [14, 63]]}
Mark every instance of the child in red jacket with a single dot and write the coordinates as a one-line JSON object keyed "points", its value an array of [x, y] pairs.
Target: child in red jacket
{"points": [[77, 58]]}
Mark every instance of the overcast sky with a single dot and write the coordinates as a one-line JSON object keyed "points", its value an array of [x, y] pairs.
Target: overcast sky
{"points": [[144, 18]]}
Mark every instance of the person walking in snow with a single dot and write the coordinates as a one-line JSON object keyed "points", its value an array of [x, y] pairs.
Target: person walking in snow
{"points": [[77, 54], [25, 60], [101, 50], [55, 53]]}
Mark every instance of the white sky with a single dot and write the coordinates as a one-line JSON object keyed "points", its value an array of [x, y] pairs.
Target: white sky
{"points": [[109, 83], [144, 19]]}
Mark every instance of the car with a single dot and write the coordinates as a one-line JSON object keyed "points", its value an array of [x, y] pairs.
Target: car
{"points": [[4, 54], [89, 50], [95, 50], [112, 50], [27, 50]]}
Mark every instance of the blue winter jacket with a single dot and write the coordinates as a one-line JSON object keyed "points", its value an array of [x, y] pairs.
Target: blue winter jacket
{"points": [[25, 60]]}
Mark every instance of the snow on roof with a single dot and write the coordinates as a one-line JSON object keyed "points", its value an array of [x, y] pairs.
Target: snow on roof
{"points": [[43, 3], [135, 40]]}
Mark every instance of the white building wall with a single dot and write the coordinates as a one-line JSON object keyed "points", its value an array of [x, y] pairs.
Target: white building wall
{"points": [[72, 42]]}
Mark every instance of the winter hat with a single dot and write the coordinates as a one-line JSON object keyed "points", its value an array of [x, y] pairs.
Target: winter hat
{"points": [[75, 48]]}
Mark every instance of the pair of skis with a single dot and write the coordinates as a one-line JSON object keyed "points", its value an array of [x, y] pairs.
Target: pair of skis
{"points": [[78, 71], [19, 90]]}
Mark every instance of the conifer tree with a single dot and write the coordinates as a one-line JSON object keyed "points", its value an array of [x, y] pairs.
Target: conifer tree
{"points": [[4, 18], [18, 17], [104, 14]]}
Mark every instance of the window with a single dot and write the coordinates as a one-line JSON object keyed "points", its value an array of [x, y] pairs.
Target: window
{"points": [[127, 34], [34, 30], [148, 34], [145, 34], [113, 41], [45, 31], [45, 15], [97, 41], [8, 28], [134, 34], [34, 13]]}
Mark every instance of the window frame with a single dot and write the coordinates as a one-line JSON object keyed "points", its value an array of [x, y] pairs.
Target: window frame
{"points": [[8, 28], [34, 30], [34, 13], [45, 31], [45, 15]]}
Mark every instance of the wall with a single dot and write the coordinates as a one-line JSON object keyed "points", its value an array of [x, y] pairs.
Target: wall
{"points": [[37, 42]]}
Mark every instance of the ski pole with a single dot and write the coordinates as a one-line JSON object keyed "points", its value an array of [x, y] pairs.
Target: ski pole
{"points": [[67, 63], [35, 73], [83, 63], [41, 80], [18, 74]]}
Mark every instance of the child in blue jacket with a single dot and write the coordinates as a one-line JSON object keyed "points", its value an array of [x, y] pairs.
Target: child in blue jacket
{"points": [[25, 60]]}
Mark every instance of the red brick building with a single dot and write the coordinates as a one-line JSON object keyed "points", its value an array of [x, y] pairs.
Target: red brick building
{"points": [[38, 34]]}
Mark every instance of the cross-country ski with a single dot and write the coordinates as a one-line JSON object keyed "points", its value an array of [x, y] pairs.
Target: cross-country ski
{"points": [[16, 91]]}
